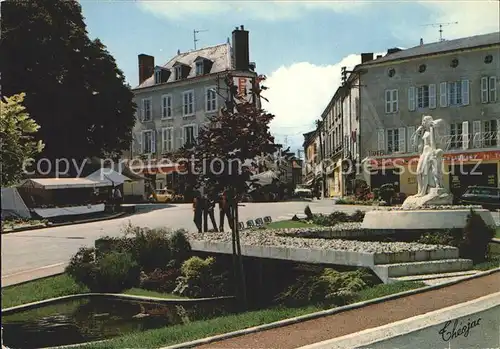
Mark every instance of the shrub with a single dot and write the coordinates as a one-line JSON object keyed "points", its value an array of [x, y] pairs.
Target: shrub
{"points": [[477, 236], [180, 247], [160, 280], [386, 193], [113, 272], [451, 237], [328, 287], [337, 217], [357, 216], [199, 280]]}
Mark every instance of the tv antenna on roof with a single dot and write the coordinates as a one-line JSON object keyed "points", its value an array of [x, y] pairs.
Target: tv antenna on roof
{"points": [[195, 39], [440, 25]]}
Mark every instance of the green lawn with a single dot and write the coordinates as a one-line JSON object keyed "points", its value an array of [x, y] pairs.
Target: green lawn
{"points": [[57, 286], [62, 285], [497, 233], [289, 224]]}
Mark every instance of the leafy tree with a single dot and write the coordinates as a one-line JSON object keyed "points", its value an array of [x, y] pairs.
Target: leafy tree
{"points": [[236, 136], [16, 138], [73, 87]]}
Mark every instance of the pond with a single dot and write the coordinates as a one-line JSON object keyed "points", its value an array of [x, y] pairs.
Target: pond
{"points": [[99, 318]]}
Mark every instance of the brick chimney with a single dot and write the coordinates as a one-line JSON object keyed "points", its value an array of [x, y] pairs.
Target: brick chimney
{"points": [[146, 67], [366, 57], [241, 50]]}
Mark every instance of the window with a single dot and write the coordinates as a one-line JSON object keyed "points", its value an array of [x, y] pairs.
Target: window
{"points": [[456, 131], [391, 101], [188, 103], [190, 134], [211, 100], [458, 93], [157, 76], [199, 68], [167, 139], [423, 96], [488, 89], [148, 142], [412, 145], [166, 106], [146, 112], [178, 72], [491, 133], [393, 140]]}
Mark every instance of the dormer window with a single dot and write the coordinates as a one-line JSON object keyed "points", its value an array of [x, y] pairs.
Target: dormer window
{"points": [[157, 76], [178, 72], [199, 68]]}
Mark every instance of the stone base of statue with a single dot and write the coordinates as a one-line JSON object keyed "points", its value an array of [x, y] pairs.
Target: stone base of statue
{"points": [[435, 197]]}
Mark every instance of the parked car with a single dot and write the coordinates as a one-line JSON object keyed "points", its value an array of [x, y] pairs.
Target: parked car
{"points": [[488, 197], [303, 192], [165, 195]]}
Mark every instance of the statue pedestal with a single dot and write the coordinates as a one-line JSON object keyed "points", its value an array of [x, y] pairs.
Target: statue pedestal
{"points": [[435, 197], [429, 218]]}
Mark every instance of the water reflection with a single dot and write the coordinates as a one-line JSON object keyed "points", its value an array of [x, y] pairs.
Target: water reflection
{"points": [[78, 321]]}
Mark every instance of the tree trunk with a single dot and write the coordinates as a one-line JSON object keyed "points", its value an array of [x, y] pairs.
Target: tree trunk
{"points": [[243, 286]]}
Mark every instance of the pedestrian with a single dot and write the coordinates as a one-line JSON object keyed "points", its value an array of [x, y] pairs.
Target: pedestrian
{"points": [[225, 210], [209, 207], [198, 211]]}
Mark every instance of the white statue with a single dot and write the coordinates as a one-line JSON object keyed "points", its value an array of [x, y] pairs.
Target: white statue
{"points": [[430, 167]]}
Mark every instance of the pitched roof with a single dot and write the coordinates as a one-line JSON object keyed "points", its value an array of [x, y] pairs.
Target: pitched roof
{"points": [[220, 55], [443, 46]]}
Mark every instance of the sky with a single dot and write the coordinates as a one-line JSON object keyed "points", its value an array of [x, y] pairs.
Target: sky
{"points": [[299, 45]]}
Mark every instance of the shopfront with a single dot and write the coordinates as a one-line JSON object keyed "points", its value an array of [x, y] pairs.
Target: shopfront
{"points": [[460, 171]]}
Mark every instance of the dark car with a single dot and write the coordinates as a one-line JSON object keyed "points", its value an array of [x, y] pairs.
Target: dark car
{"points": [[488, 197]]}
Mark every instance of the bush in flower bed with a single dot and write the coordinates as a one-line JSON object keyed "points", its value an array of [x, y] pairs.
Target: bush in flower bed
{"points": [[147, 257], [337, 217], [472, 241], [353, 201], [326, 286]]}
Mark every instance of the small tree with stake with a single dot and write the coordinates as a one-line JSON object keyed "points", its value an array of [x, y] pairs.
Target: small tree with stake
{"points": [[235, 136]]}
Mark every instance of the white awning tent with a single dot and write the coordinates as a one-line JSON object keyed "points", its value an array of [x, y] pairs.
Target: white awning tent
{"points": [[109, 176], [265, 178], [13, 205], [63, 183]]}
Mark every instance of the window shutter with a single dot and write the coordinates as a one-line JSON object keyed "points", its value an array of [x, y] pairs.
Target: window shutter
{"points": [[432, 96], [395, 101], [143, 111], [465, 135], [493, 89], [498, 133], [465, 92], [443, 100], [411, 143], [171, 139], [402, 140], [476, 134], [484, 89], [411, 98], [195, 132], [446, 141], [381, 139], [142, 141], [153, 141], [388, 101]]}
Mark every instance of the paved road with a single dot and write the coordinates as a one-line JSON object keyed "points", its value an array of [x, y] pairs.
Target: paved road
{"points": [[37, 252], [29, 251]]}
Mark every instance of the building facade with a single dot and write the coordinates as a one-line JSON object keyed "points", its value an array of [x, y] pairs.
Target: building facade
{"points": [[176, 99], [456, 81], [312, 173]]}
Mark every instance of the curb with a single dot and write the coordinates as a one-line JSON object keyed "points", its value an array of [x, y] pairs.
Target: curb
{"points": [[119, 296], [31, 280], [495, 241], [324, 313], [54, 225]]}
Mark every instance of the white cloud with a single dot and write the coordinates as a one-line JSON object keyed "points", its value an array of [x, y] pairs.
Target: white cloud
{"points": [[265, 10], [474, 17], [298, 95]]}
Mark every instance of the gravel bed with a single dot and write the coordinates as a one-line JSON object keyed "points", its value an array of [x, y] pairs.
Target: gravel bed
{"points": [[433, 208], [271, 237]]}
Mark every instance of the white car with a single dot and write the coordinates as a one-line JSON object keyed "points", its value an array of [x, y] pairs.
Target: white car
{"points": [[303, 192]]}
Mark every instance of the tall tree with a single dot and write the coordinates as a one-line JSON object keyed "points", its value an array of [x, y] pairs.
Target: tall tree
{"points": [[229, 147], [74, 89], [17, 143]]}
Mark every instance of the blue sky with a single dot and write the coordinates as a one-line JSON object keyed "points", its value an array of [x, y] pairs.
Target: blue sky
{"points": [[293, 43]]}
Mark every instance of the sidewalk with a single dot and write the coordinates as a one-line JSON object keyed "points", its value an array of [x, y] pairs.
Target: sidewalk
{"points": [[352, 321]]}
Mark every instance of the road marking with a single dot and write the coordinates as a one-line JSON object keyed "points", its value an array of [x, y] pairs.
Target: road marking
{"points": [[32, 270]]}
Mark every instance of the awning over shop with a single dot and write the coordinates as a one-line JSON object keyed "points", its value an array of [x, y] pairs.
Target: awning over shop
{"points": [[63, 183]]}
